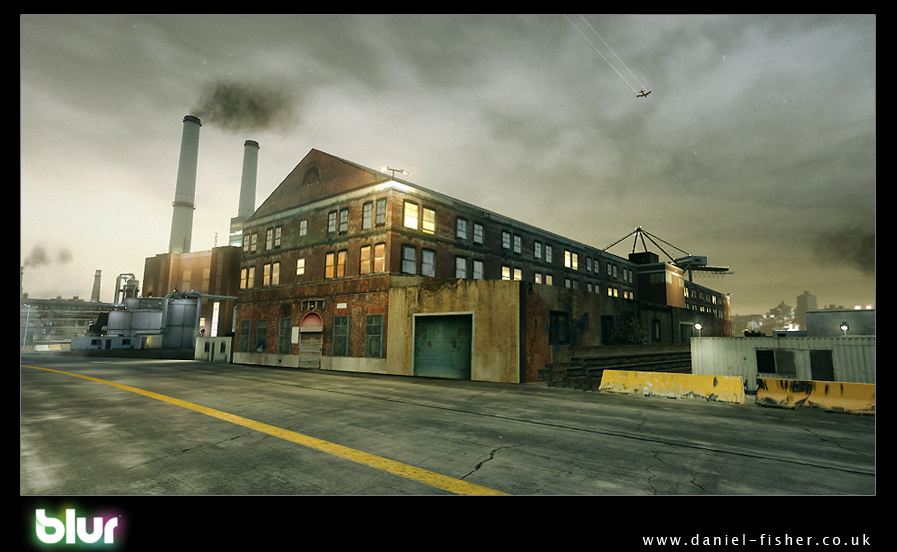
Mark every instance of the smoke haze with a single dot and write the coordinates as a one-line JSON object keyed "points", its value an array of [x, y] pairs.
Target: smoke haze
{"points": [[39, 257], [243, 106]]}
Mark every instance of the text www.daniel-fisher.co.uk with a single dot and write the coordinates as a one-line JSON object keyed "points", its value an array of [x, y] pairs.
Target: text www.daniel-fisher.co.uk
{"points": [[760, 540]]}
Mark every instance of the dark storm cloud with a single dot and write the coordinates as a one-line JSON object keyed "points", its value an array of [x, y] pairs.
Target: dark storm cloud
{"points": [[246, 106]]}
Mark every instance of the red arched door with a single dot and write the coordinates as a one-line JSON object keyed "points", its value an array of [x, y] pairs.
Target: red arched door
{"points": [[311, 330]]}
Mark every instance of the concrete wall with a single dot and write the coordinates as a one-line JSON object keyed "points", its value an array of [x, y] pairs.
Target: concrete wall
{"points": [[853, 357], [827, 323], [494, 305]]}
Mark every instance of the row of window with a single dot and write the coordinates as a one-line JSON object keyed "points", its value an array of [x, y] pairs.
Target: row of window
{"points": [[417, 217], [373, 259], [257, 342]]}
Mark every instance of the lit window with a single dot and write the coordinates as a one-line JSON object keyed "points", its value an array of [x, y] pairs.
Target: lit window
{"points": [[549, 280], [242, 278], [537, 278], [429, 223], [379, 257], [266, 275], [250, 277], [365, 266], [341, 263], [574, 259], [275, 274], [300, 267], [329, 265], [518, 274], [505, 273], [410, 215]]}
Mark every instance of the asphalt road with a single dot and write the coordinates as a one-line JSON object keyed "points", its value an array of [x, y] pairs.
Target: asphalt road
{"points": [[169, 427]]}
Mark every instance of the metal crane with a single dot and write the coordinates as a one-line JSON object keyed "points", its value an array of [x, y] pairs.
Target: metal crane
{"points": [[687, 262]]}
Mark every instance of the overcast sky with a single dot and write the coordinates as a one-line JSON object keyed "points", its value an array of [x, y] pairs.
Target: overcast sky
{"points": [[755, 149]]}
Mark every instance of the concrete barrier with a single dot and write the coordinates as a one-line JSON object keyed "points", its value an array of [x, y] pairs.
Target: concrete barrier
{"points": [[837, 396], [728, 389]]}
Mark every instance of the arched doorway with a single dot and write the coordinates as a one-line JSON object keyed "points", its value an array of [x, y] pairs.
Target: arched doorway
{"points": [[311, 331]]}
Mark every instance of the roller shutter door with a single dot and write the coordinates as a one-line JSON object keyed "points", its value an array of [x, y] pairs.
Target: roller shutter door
{"points": [[442, 346]]}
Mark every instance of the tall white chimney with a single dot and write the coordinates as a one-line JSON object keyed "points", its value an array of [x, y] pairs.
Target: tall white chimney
{"points": [[182, 217], [247, 191], [95, 295]]}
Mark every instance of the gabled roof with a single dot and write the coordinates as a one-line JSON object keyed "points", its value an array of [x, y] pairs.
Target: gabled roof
{"points": [[319, 175]]}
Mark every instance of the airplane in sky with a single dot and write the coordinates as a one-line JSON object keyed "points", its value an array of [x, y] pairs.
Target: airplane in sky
{"points": [[643, 94]]}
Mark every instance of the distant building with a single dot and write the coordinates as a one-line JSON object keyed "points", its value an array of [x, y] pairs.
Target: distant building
{"points": [[805, 302]]}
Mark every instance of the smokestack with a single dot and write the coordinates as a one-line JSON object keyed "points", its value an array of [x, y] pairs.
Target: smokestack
{"points": [[247, 191], [182, 217], [95, 296]]}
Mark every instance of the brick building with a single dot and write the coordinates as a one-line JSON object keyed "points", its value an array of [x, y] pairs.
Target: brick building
{"points": [[211, 272], [348, 268]]}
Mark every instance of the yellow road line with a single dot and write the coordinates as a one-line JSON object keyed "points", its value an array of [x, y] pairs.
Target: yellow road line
{"points": [[433, 479]]}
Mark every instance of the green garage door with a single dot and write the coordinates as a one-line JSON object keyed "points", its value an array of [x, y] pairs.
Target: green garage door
{"points": [[442, 346]]}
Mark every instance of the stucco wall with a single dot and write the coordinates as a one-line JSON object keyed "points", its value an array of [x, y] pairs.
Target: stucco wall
{"points": [[494, 305]]}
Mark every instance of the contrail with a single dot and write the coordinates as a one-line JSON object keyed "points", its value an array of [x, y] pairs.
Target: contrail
{"points": [[600, 54], [614, 53]]}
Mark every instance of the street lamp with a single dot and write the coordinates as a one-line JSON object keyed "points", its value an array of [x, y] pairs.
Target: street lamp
{"points": [[698, 327], [844, 328]]}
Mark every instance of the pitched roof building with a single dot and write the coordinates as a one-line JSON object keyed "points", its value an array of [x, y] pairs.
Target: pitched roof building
{"points": [[348, 268]]}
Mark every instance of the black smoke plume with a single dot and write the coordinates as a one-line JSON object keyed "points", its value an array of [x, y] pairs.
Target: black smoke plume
{"points": [[244, 106], [853, 246], [38, 256]]}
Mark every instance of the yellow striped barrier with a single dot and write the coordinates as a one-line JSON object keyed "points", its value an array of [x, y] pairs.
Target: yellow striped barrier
{"points": [[727, 389], [836, 396]]}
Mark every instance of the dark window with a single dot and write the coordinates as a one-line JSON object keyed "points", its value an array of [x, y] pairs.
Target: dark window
{"points": [[373, 338], [381, 211], [558, 328], [409, 259], [341, 336], [775, 362], [244, 336], [283, 336], [261, 336], [822, 367]]}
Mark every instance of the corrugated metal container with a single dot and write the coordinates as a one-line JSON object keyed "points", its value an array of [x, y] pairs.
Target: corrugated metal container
{"points": [[852, 359]]}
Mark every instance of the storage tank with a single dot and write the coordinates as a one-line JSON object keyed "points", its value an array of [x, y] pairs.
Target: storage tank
{"points": [[180, 326]]}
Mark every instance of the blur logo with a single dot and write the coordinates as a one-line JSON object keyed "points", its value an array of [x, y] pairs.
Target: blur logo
{"points": [[51, 530]]}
